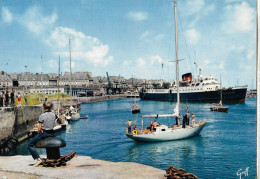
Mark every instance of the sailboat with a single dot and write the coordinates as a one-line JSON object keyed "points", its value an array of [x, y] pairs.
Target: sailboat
{"points": [[135, 108], [162, 132], [61, 123], [219, 107], [73, 113]]}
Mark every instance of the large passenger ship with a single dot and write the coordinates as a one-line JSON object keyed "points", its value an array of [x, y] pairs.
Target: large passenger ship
{"points": [[205, 89]]}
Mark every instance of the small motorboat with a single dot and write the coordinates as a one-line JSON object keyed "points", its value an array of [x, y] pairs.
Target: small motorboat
{"points": [[84, 117], [135, 108], [219, 108]]}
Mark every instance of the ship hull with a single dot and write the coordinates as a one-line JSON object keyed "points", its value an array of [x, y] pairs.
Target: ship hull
{"points": [[228, 95]]}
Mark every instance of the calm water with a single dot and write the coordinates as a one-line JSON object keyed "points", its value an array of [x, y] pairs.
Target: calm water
{"points": [[226, 144]]}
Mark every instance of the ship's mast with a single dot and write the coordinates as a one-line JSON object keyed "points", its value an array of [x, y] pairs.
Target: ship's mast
{"points": [[58, 107], [177, 60], [70, 75]]}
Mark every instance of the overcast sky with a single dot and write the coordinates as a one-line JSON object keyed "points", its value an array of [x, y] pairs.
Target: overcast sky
{"points": [[131, 37]]}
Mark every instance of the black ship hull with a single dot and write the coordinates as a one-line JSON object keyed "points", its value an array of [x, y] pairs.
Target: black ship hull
{"points": [[228, 95]]}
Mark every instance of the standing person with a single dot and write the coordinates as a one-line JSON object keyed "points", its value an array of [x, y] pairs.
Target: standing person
{"points": [[6, 99], [25, 98], [19, 99], [46, 97], [193, 118], [12, 98], [45, 129], [188, 118], [184, 121], [129, 124], [1, 100]]}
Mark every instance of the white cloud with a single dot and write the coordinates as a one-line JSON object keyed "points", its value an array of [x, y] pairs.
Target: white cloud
{"points": [[6, 15], [145, 35], [35, 22], [192, 36], [194, 7], [159, 37], [141, 63], [137, 16], [250, 54], [238, 17], [127, 62], [66, 66], [52, 64], [237, 48], [83, 48], [156, 59]]}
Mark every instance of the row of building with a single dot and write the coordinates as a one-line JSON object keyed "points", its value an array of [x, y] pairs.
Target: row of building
{"points": [[80, 82]]}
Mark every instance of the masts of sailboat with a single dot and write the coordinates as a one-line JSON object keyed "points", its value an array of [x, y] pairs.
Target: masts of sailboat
{"points": [[70, 75], [177, 60], [41, 81], [220, 92], [58, 107]]}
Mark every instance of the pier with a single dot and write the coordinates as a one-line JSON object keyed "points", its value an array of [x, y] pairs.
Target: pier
{"points": [[79, 167]]}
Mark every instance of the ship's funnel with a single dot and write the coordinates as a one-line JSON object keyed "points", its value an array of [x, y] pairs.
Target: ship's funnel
{"points": [[187, 77]]}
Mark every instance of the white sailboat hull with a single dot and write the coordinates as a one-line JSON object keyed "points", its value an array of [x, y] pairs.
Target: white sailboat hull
{"points": [[75, 117], [169, 134]]}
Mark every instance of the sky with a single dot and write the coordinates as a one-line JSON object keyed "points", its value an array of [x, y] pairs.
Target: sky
{"points": [[131, 38]]}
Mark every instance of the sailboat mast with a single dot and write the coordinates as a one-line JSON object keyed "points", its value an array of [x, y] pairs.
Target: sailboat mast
{"points": [[70, 75], [220, 91], [58, 107], [177, 60]]}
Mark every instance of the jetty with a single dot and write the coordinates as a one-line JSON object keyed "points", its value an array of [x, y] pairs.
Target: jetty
{"points": [[79, 167]]}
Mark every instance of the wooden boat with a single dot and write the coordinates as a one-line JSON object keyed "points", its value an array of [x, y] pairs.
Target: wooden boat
{"points": [[219, 107], [156, 132]]}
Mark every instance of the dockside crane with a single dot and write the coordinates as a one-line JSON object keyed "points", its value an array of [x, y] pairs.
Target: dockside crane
{"points": [[109, 85]]}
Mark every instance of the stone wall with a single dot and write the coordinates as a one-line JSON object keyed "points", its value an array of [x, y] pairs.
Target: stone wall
{"points": [[26, 119], [18, 121], [7, 120]]}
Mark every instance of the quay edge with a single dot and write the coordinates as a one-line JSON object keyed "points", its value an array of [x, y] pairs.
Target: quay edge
{"points": [[78, 167]]}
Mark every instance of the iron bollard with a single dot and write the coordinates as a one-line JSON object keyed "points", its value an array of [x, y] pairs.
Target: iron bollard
{"points": [[52, 146]]}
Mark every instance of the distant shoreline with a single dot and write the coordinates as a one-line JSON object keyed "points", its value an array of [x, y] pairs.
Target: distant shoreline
{"points": [[96, 99]]}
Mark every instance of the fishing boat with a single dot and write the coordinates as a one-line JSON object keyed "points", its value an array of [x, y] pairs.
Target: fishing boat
{"points": [[73, 113], [162, 132], [135, 108], [219, 107]]}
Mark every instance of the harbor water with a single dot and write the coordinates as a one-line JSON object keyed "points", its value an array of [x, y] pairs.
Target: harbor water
{"points": [[225, 148]]}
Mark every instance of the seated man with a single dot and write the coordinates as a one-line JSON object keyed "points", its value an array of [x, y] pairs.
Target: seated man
{"points": [[45, 129]]}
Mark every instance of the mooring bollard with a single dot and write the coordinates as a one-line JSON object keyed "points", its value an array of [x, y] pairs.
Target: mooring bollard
{"points": [[52, 146]]}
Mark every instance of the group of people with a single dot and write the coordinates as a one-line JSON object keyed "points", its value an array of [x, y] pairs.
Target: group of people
{"points": [[186, 119], [7, 99]]}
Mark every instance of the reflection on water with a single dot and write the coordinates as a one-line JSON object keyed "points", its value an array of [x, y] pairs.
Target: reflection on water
{"points": [[226, 144]]}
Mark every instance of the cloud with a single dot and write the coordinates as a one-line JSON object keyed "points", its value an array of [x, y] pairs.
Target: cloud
{"points": [[137, 16], [194, 7], [66, 66], [127, 62], [159, 37], [156, 59], [141, 62], [237, 48], [145, 35], [83, 48], [250, 54], [238, 17], [6, 15], [52, 64], [35, 22], [192, 36]]}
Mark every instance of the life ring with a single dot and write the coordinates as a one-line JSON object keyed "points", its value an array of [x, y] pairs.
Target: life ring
{"points": [[134, 132]]}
